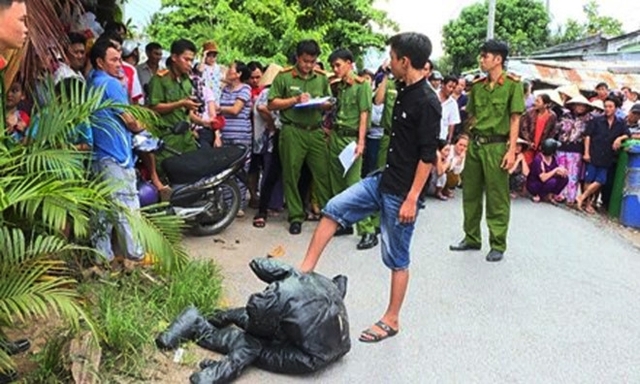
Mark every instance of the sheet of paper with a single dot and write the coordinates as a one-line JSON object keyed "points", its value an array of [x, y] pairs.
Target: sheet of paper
{"points": [[347, 157], [313, 102]]}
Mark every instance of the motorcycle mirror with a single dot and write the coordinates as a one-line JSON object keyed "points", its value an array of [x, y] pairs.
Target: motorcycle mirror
{"points": [[181, 128]]}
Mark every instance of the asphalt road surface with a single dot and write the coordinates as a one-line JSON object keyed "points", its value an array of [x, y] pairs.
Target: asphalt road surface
{"points": [[562, 307]]}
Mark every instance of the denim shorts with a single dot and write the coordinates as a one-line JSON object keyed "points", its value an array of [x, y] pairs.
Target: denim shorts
{"points": [[595, 174], [363, 199]]}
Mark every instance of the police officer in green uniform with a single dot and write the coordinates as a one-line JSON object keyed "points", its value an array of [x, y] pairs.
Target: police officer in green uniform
{"points": [[301, 137], [353, 118], [170, 94], [495, 105]]}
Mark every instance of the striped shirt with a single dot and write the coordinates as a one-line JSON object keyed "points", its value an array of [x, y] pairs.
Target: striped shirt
{"points": [[237, 127]]}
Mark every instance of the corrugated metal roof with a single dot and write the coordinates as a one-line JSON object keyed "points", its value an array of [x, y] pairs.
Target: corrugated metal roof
{"points": [[585, 74]]}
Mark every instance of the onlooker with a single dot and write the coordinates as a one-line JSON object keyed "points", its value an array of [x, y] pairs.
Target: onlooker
{"points": [[17, 121], [519, 171], [450, 113], [457, 156], [211, 72], [633, 120], [130, 58], [235, 106], [630, 99], [546, 178], [258, 146], [438, 176], [538, 125], [603, 137], [150, 67], [529, 98], [460, 95], [435, 79], [117, 28], [571, 130], [76, 59], [602, 92], [113, 156]]}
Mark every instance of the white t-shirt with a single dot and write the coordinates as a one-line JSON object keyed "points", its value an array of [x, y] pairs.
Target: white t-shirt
{"points": [[453, 160], [450, 116]]}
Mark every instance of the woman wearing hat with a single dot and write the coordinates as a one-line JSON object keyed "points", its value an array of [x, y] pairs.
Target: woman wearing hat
{"points": [[571, 137], [538, 124]]}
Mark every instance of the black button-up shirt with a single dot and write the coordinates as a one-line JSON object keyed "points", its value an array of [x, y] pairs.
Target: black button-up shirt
{"points": [[414, 136], [602, 138]]}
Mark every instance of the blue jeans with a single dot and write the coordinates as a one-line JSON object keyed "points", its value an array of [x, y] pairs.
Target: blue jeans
{"points": [[363, 199], [126, 195]]}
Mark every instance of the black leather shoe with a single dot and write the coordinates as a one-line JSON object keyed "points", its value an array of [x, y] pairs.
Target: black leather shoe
{"points": [[15, 347], [367, 241], [8, 377], [295, 228], [344, 231], [494, 255], [464, 246]]}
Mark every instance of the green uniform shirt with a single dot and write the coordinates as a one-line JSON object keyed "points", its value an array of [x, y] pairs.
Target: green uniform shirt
{"points": [[390, 95], [492, 108], [354, 97], [289, 83], [166, 89]]}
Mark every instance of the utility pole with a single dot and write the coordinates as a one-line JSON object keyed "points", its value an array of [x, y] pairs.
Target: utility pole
{"points": [[492, 19]]}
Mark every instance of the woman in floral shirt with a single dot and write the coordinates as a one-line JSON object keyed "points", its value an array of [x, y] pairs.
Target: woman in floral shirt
{"points": [[571, 136]]}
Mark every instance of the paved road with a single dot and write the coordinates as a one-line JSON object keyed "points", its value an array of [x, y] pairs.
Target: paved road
{"points": [[563, 307]]}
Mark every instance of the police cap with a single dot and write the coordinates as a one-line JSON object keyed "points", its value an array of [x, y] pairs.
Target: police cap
{"points": [[496, 47]]}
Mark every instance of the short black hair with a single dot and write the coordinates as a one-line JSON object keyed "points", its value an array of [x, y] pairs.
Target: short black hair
{"points": [[319, 64], [99, 51], [431, 66], [243, 70], [310, 47], [615, 100], [602, 84], [76, 38], [450, 79], [496, 47], [253, 65], [546, 99], [111, 35], [341, 53], [114, 26], [180, 46], [414, 46], [152, 47]]}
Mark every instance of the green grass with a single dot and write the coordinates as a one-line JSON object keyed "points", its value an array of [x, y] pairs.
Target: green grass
{"points": [[130, 310]]}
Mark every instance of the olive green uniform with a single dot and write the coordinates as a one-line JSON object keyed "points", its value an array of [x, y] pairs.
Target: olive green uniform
{"points": [[164, 88], [491, 109], [354, 97], [301, 138], [390, 95]]}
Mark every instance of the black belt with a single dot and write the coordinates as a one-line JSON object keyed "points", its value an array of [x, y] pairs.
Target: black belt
{"points": [[489, 139], [303, 127]]}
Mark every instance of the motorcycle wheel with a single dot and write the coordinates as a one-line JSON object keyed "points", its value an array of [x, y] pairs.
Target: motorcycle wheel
{"points": [[222, 214]]}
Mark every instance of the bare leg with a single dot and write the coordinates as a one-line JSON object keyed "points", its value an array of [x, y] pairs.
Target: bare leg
{"points": [[321, 237], [399, 283], [589, 191], [149, 162]]}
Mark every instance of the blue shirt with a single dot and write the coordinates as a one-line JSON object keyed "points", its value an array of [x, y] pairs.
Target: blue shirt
{"points": [[111, 138]]}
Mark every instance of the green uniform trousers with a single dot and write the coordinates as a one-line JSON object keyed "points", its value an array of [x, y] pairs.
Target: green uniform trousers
{"points": [[382, 161], [296, 147], [482, 174], [339, 183]]}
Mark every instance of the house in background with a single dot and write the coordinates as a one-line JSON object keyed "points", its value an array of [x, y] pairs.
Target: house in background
{"points": [[585, 63]]}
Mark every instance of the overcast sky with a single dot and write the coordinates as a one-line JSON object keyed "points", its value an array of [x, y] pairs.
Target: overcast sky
{"points": [[429, 17]]}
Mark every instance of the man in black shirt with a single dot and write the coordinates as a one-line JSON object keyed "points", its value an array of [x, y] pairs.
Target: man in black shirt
{"points": [[603, 137], [397, 190]]}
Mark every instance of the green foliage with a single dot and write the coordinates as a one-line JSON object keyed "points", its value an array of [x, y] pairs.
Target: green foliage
{"points": [[522, 23], [52, 365], [133, 309], [269, 30], [595, 24]]}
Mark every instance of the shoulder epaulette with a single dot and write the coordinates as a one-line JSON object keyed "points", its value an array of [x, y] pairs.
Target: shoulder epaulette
{"points": [[320, 71], [479, 79], [162, 72], [513, 76], [359, 79], [288, 69]]}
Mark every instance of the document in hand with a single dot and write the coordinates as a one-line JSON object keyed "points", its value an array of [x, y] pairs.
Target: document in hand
{"points": [[348, 157], [313, 102]]}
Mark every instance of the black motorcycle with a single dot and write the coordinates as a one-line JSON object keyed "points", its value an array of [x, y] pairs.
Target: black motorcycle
{"points": [[204, 191]]}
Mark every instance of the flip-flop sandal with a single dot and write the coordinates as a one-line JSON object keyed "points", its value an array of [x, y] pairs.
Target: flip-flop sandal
{"points": [[259, 221], [369, 336]]}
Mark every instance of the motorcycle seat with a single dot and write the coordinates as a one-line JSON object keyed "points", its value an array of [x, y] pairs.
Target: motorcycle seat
{"points": [[193, 166]]}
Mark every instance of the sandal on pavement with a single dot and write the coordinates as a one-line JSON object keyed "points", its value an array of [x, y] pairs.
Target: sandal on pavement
{"points": [[259, 221], [369, 336]]}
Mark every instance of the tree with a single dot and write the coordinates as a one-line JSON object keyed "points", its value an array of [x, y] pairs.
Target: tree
{"points": [[521, 23], [269, 30], [595, 24]]}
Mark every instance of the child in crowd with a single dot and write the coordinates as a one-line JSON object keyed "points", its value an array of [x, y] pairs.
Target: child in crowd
{"points": [[546, 179], [520, 170], [17, 120]]}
